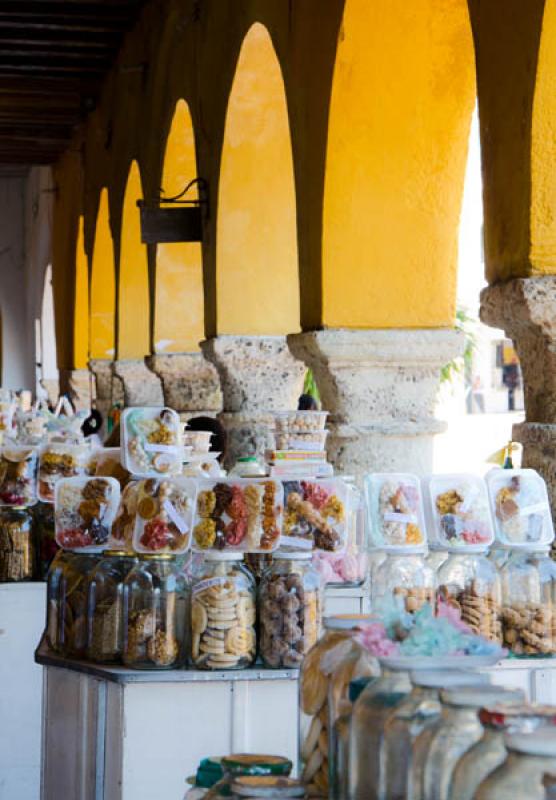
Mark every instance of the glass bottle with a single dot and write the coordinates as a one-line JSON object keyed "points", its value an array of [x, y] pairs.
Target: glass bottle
{"points": [[490, 751], [456, 730], [72, 602], [405, 576], [155, 613], [290, 609], [17, 546], [45, 537], [52, 629], [339, 747], [436, 557], [530, 756], [223, 613], [105, 606]]}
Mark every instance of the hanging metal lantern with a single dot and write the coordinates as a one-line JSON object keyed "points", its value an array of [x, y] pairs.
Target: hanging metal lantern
{"points": [[174, 219]]}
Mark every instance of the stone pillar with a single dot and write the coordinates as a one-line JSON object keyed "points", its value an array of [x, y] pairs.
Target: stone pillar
{"points": [[104, 379], [76, 383], [525, 308], [380, 388], [141, 387], [258, 376], [189, 382]]}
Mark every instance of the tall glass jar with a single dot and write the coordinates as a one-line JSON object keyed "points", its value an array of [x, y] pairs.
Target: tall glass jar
{"points": [[530, 756], [326, 672], [438, 749], [223, 613], [405, 576], [105, 606], [72, 602], [490, 751], [155, 613], [290, 609], [367, 776], [338, 761], [52, 629], [470, 582], [436, 557], [17, 546], [45, 538]]}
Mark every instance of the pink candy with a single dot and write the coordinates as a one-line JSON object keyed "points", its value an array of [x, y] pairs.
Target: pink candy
{"points": [[341, 568]]}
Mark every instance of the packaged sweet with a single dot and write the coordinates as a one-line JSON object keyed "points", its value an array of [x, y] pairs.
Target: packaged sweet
{"points": [[395, 510], [106, 464], [238, 514], [459, 510], [520, 507], [7, 411], [151, 442], [123, 526], [315, 514], [31, 427], [312, 441], [85, 510], [18, 476], [164, 515], [59, 460], [301, 421], [198, 441]]}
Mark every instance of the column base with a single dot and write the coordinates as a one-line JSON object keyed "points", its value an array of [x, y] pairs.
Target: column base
{"points": [[539, 452], [141, 387], [104, 380], [76, 384], [189, 382]]}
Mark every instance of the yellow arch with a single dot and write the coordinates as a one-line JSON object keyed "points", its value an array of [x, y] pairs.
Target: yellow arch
{"points": [[402, 100], [133, 286], [103, 286], [179, 303], [257, 282], [81, 314]]}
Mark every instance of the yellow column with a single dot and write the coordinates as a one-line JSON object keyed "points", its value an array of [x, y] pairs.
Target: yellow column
{"points": [[103, 287], [81, 313]]}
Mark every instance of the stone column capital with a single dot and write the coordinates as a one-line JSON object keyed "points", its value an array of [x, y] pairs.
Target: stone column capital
{"points": [[190, 383], [141, 387]]}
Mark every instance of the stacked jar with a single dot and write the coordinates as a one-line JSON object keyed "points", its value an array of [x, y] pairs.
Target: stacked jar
{"points": [[530, 757], [18, 493]]}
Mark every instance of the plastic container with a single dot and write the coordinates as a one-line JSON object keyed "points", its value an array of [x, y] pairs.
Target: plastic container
{"points": [[85, 510], [521, 775], [155, 614], [238, 515], [18, 476], [326, 673], [290, 610], [350, 567], [107, 464], [395, 510], [471, 583], [17, 546], [311, 441], [520, 507], [223, 614], [151, 442], [198, 441], [248, 467], [405, 577], [59, 460], [490, 751], [164, 517], [105, 606], [315, 514], [72, 603], [459, 513], [300, 420]]}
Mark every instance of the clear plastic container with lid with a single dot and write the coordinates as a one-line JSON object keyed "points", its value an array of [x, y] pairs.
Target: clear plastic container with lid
{"points": [[437, 750], [470, 582], [17, 545], [155, 614], [164, 515], [521, 775], [315, 512], [290, 609], [72, 603], [300, 420], [105, 606], [18, 476], [223, 613], [351, 567], [151, 442], [85, 510], [326, 672], [458, 512], [59, 460], [520, 507], [490, 751], [395, 510], [404, 576]]}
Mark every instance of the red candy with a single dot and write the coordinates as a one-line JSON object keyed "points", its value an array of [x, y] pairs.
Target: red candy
{"points": [[156, 535], [315, 494]]}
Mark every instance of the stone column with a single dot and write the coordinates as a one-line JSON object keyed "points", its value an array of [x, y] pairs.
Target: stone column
{"points": [[525, 308], [76, 383], [104, 379], [189, 382], [258, 376], [380, 388], [141, 387]]}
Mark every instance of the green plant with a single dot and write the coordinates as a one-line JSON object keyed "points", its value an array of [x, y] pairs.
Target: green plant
{"points": [[310, 386], [462, 365]]}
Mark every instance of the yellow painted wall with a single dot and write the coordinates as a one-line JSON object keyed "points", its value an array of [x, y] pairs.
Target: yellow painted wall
{"points": [[179, 302], [257, 281], [402, 100], [103, 287], [81, 314]]}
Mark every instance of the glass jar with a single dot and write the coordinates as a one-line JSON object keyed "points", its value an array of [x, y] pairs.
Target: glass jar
{"points": [[223, 613], [367, 777], [105, 606], [17, 545], [416, 712], [72, 603], [338, 762], [290, 610], [45, 538], [530, 756], [528, 582], [499, 554], [52, 629], [470, 582], [438, 749], [490, 751], [155, 613], [406, 577], [436, 557], [326, 673]]}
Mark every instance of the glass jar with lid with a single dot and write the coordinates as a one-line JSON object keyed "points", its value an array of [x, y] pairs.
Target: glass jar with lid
{"points": [[326, 672], [530, 756], [499, 555], [223, 613], [490, 751], [404, 576], [436, 556], [72, 602], [52, 629], [290, 609], [438, 749], [17, 545], [105, 606], [45, 537], [470, 582], [338, 762]]}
